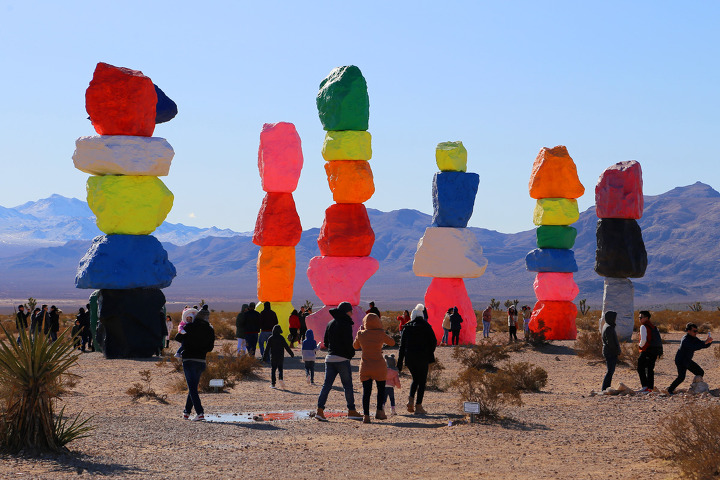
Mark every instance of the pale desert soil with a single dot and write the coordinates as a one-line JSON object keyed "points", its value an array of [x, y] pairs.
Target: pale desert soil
{"points": [[560, 433]]}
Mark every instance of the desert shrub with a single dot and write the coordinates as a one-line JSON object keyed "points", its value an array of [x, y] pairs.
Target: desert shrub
{"points": [[537, 338], [142, 389], [225, 365], [224, 328], [484, 355], [390, 325], [526, 377], [589, 345], [492, 391], [434, 378], [690, 440], [589, 321], [629, 354]]}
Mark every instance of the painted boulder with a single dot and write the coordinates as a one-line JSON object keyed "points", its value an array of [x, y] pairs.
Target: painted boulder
{"points": [[554, 175], [280, 158], [555, 319], [453, 195], [123, 155], [618, 193], [342, 101], [346, 231], [282, 310], [551, 260], [278, 223], [449, 253], [444, 293], [165, 108], [347, 145], [451, 157], [620, 249], [556, 211], [555, 236], [619, 297], [125, 261], [276, 274], [121, 101], [340, 279], [318, 321], [555, 286], [351, 181]]}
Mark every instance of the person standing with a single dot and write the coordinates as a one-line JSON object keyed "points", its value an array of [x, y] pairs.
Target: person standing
{"points": [[446, 326], [168, 327], [84, 318], [338, 340], [197, 341], [650, 349], [417, 350], [294, 326], [689, 344], [373, 309], [403, 319], [370, 340], [52, 325], [486, 319], [268, 319], [39, 320], [455, 326], [611, 347], [252, 328], [526, 316], [21, 321], [309, 355], [512, 323], [303, 324], [240, 330]]}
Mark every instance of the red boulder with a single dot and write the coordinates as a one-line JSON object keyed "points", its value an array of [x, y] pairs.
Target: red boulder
{"points": [[346, 231], [278, 223], [618, 193], [558, 317]]}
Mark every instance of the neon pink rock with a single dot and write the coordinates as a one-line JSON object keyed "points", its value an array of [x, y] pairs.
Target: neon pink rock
{"points": [[340, 279], [555, 286], [280, 157], [319, 320], [444, 293], [618, 193]]}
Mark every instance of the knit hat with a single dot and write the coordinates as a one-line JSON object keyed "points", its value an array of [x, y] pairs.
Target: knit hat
{"points": [[417, 312]]}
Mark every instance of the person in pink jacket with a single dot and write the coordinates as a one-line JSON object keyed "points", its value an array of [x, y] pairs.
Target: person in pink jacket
{"points": [[370, 339], [392, 381]]}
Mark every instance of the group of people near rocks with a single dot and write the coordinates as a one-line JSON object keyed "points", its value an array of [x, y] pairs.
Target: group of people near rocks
{"points": [[253, 329], [41, 320], [651, 348]]}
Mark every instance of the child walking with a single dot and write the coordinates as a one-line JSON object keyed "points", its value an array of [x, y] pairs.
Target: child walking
{"points": [[309, 355], [392, 381], [275, 351]]}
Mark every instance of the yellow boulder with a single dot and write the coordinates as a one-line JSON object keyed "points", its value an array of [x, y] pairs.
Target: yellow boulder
{"points": [[347, 145], [451, 157], [282, 310], [128, 204], [556, 211], [276, 273]]}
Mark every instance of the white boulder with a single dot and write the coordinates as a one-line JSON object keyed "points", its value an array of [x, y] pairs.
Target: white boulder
{"points": [[123, 155], [619, 297], [445, 252]]}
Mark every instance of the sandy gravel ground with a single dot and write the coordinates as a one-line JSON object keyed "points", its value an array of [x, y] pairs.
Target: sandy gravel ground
{"points": [[560, 433]]}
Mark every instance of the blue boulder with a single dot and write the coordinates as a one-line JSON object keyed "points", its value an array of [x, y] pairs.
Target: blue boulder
{"points": [[551, 260], [453, 195], [165, 108], [125, 261]]}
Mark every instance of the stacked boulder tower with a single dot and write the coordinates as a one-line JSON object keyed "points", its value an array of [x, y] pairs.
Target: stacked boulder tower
{"points": [[448, 251], [346, 236], [620, 253], [554, 183], [127, 265], [278, 229]]}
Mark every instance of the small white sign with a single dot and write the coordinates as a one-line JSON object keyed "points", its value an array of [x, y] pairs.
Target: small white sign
{"points": [[217, 382], [471, 407]]}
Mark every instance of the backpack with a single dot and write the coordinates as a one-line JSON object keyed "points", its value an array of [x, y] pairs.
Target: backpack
{"points": [[656, 346]]}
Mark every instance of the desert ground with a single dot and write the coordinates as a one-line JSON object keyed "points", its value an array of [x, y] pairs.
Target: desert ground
{"points": [[562, 432]]}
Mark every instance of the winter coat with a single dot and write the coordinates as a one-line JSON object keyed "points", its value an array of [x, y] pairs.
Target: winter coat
{"points": [[688, 346], [455, 320], [370, 339], [446, 322], [487, 314], [276, 346], [402, 320], [53, 322], [268, 319], [338, 337], [309, 347], [417, 343], [198, 340], [240, 322], [611, 344], [374, 310], [252, 321], [393, 378], [21, 320], [294, 321]]}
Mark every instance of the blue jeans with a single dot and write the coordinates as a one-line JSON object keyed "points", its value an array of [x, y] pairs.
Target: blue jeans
{"points": [[486, 329], [193, 370], [445, 335], [611, 362], [263, 341], [332, 370]]}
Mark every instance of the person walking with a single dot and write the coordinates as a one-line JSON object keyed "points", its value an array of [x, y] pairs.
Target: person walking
{"points": [[21, 322], [651, 348], [252, 328], [486, 319], [309, 355], [417, 350], [446, 326], [275, 352], [268, 320], [689, 344], [370, 339], [512, 323], [455, 325], [52, 325], [240, 330], [611, 348], [197, 340], [338, 340], [294, 326]]}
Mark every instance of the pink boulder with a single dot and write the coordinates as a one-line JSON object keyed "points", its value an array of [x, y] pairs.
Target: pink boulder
{"points": [[280, 157], [555, 286], [558, 319], [618, 193], [319, 320], [278, 223], [444, 293], [340, 279]]}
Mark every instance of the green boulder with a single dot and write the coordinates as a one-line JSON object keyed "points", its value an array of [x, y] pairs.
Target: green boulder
{"points": [[555, 236], [342, 101]]}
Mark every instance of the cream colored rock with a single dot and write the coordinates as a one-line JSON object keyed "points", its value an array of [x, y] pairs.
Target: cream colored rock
{"points": [[449, 253], [123, 155]]}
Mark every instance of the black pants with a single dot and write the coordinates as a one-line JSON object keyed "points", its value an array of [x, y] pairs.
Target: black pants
{"points": [[682, 369], [310, 370], [293, 335], [455, 339], [419, 372], [273, 367], [367, 392], [646, 369], [611, 363], [513, 333]]}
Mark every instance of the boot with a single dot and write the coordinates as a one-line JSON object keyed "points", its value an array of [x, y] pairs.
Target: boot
{"points": [[380, 414], [354, 414], [366, 418], [419, 410], [411, 405], [320, 416]]}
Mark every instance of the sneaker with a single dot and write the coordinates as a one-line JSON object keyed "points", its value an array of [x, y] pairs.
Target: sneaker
{"points": [[380, 414], [199, 418], [354, 415], [366, 418], [272, 386], [186, 416], [392, 411], [644, 390], [320, 416], [411, 406], [419, 410]]}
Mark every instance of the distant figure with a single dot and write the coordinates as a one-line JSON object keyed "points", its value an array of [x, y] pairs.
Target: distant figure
{"points": [[275, 352], [84, 318], [373, 309], [650, 349], [486, 319], [268, 320], [446, 325], [76, 334], [526, 316], [240, 330], [370, 339], [417, 350], [197, 339], [403, 319], [52, 324], [169, 327], [392, 381], [303, 324], [684, 356], [455, 325], [611, 347], [36, 320], [309, 356], [294, 325], [21, 322], [252, 328], [512, 323]]}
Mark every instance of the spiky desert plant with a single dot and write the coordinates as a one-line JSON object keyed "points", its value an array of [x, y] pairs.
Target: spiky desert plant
{"points": [[31, 374]]}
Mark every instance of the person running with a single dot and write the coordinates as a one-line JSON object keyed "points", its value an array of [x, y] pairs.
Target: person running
{"points": [[486, 319], [650, 349], [275, 352], [417, 350], [370, 340], [197, 341], [252, 328], [610, 349], [240, 330], [455, 326], [512, 323], [689, 344]]}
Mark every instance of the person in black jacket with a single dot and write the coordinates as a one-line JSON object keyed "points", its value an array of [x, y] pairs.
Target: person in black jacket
{"points": [[39, 318], [417, 350], [684, 356], [240, 330], [611, 347], [275, 352], [338, 340], [52, 325], [252, 328], [268, 320], [197, 341], [84, 318], [21, 321], [455, 325]]}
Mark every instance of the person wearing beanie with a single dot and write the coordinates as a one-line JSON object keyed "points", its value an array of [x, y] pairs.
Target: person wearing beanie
{"points": [[370, 339], [417, 350], [650, 347], [611, 347], [309, 355], [689, 343], [392, 381], [275, 352], [197, 339], [338, 340]]}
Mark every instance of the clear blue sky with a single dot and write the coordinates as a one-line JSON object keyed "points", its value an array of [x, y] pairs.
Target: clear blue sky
{"points": [[612, 81]]}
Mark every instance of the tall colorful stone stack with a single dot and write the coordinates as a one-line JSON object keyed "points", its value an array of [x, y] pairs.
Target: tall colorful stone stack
{"points": [[620, 253], [555, 184], [449, 252], [127, 264], [278, 228], [346, 236]]}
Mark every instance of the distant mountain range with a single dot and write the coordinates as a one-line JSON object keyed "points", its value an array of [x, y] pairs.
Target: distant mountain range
{"points": [[680, 229]]}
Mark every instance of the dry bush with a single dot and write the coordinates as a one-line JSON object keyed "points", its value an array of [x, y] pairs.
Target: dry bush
{"points": [[483, 356], [526, 377], [225, 365], [492, 391], [671, 320], [589, 322], [690, 440], [224, 328], [139, 390], [589, 345], [434, 377], [536, 339], [629, 354], [390, 325]]}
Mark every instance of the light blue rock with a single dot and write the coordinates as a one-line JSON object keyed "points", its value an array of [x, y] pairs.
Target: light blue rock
{"points": [[453, 195], [125, 261], [551, 260]]}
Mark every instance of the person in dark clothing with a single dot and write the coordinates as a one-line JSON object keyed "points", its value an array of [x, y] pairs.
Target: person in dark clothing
{"points": [[240, 330], [89, 330], [373, 309], [303, 314], [76, 333], [52, 325], [21, 322], [268, 320], [338, 340], [684, 356], [39, 319], [252, 328], [417, 351], [84, 318], [611, 347], [455, 326], [650, 347], [197, 341], [275, 352]]}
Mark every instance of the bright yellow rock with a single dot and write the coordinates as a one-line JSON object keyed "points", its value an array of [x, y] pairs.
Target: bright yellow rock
{"points": [[347, 145], [556, 211], [451, 157], [283, 311], [128, 204]]}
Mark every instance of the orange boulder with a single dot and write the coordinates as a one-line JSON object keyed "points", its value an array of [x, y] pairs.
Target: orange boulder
{"points": [[554, 175], [276, 273], [346, 231], [351, 181]]}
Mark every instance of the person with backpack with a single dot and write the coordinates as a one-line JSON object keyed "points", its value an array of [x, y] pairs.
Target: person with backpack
{"points": [[650, 349], [197, 339]]}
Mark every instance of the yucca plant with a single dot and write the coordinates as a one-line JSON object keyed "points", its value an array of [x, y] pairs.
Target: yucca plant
{"points": [[31, 378]]}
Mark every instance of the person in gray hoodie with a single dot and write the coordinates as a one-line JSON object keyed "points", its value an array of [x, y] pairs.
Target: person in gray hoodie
{"points": [[611, 347]]}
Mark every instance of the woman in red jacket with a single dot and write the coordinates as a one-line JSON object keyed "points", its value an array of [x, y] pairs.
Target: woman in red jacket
{"points": [[403, 319], [294, 324]]}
